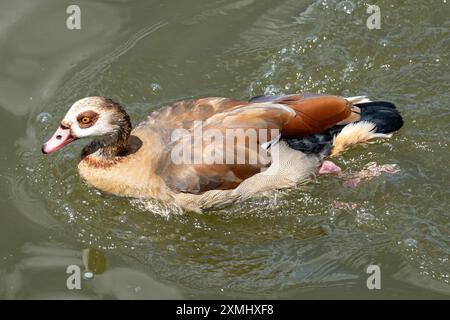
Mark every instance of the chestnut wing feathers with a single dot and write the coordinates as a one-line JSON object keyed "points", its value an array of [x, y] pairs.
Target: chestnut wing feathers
{"points": [[230, 146]]}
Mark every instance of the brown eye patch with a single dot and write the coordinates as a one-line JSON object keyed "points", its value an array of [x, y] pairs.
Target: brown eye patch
{"points": [[87, 119]]}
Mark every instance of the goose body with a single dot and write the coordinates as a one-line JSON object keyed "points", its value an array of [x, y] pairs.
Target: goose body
{"points": [[181, 153]]}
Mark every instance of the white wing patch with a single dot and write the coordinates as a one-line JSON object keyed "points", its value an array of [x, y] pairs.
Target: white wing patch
{"points": [[271, 143], [358, 99]]}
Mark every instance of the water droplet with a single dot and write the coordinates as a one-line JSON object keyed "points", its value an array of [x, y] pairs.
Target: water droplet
{"points": [[94, 261], [384, 42], [44, 117], [346, 6], [155, 87], [412, 243], [88, 275]]}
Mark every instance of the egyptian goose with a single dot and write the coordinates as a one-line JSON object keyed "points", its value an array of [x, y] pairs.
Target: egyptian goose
{"points": [[163, 159]]}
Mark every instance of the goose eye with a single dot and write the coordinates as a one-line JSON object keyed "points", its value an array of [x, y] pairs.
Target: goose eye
{"points": [[85, 120]]}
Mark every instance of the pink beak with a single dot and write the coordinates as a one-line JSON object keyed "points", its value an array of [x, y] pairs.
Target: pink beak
{"points": [[60, 138]]}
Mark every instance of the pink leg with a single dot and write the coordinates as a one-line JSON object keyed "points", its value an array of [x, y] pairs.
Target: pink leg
{"points": [[371, 170], [345, 205], [329, 167]]}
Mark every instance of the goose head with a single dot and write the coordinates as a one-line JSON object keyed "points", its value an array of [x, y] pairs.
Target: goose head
{"points": [[97, 117]]}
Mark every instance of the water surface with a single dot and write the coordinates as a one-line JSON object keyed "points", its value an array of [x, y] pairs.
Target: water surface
{"points": [[296, 244]]}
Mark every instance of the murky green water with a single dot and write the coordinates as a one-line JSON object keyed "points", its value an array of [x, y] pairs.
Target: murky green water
{"points": [[295, 245]]}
